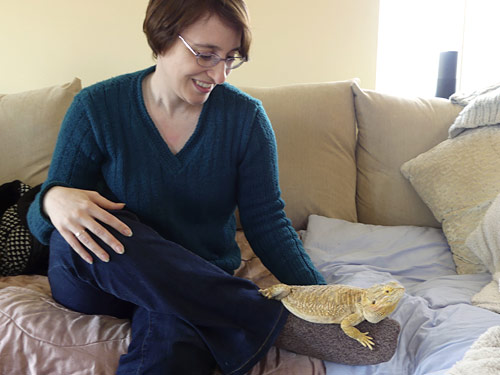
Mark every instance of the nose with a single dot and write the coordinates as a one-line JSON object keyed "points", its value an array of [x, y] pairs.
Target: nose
{"points": [[219, 73]]}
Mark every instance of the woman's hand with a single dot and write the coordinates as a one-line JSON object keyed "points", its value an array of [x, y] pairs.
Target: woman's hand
{"points": [[75, 212]]}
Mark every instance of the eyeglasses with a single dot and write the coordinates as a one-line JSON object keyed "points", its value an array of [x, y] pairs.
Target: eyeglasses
{"points": [[209, 60]]}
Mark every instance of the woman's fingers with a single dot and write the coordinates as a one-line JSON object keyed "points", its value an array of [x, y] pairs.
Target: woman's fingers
{"points": [[75, 244], [91, 223], [110, 219], [84, 238], [79, 215], [102, 233], [104, 202]]}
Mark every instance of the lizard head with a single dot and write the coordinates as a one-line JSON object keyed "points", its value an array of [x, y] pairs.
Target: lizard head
{"points": [[381, 300]]}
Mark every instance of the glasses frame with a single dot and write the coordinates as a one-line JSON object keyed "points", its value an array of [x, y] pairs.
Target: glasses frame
{"points": [[214, 58]]}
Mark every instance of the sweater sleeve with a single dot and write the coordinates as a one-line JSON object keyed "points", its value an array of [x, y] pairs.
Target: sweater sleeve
{"points": [[75, 163], [264, 221]]}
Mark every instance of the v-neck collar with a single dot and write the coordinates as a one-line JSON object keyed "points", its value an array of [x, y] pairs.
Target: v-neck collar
{"points": [[178, 160]]}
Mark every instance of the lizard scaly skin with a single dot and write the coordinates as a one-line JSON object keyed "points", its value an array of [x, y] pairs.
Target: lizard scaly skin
{"points": [[340, 304]]}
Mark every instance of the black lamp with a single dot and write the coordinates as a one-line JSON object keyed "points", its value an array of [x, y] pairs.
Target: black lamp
{"points": [[447, 76]]}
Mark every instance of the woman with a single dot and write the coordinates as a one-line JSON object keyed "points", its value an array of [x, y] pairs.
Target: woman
{"points": [[181, 149]]}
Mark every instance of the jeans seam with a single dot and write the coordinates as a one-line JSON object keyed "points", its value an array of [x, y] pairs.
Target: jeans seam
{"points": [[264, 343], [144, 344]]}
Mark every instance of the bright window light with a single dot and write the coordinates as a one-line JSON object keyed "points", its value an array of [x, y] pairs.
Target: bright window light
{"points": [[480, 65], [412, 34]]}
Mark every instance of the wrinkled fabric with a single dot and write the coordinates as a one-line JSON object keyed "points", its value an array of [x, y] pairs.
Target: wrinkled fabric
{"points": [[39, 336], [220, 313], [21, 353]]}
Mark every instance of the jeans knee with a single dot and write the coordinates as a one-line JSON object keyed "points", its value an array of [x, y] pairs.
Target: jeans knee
{"points": [[60, 250]]}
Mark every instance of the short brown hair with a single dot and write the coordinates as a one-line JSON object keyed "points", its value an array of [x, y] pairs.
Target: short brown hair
{"points": [[165, 20]]}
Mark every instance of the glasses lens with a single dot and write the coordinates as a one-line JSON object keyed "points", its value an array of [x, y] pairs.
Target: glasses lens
{"points": [[235, 62], [208, 59]]}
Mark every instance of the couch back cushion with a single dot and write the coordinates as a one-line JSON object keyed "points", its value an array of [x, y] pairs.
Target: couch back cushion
{"points": [[393, 130], [316, 136], [29, 124]]}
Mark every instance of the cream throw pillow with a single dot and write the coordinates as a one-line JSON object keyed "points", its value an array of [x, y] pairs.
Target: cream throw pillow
{"points": [[392, 130], [316, 135], [458, 179], [29, 124]]}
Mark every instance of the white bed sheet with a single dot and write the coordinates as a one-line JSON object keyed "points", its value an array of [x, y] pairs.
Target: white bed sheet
{"points": [[438, 323]]}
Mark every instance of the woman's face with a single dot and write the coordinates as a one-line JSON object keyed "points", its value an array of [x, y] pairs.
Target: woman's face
{"points": [[180, 74]]}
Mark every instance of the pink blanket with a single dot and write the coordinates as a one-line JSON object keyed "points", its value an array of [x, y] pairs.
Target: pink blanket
{"points": [[40, 337]]}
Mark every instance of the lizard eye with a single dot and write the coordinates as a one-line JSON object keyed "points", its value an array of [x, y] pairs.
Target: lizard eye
{"points": [[374, 302]]}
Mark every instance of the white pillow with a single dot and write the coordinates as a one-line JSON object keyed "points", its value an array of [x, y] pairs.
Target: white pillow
{"points": [[484, 241], [376, 252], [484, 110]]}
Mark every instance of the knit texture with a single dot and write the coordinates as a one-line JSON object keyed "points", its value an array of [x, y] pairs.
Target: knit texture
{"points": [[483, 357], [464, 98], [330, 343], [484, 241], [483, 110], [109, 143]]}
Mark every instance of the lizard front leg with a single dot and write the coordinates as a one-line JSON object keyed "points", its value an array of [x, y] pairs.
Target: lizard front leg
{"points": [[347, 326], [278, 291]]}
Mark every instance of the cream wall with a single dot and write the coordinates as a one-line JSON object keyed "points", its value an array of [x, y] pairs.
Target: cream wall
{"points": [[311, 41], [51, 41]]}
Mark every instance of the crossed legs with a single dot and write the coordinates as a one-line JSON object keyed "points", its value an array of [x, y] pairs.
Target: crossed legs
{"points": [[186, 313]]}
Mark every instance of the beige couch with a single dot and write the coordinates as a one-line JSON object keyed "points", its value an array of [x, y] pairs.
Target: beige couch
{"points": [[340, 153]]}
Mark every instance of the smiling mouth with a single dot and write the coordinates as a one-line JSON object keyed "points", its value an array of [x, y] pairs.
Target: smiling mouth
{"points": [[203, 84]]}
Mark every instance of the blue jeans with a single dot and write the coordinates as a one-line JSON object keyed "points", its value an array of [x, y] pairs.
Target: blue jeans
{"points": [[187, 314]]}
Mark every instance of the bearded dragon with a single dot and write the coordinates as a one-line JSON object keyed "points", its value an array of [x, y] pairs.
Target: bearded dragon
{"points": [[340, 304]]}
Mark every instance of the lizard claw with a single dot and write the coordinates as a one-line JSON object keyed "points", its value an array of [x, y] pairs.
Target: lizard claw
{"points": [[277, 291], [265, 292], [366, 340]]}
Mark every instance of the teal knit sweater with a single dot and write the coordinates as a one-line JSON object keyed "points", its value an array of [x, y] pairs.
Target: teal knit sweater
{"points": [[108, 143]]}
